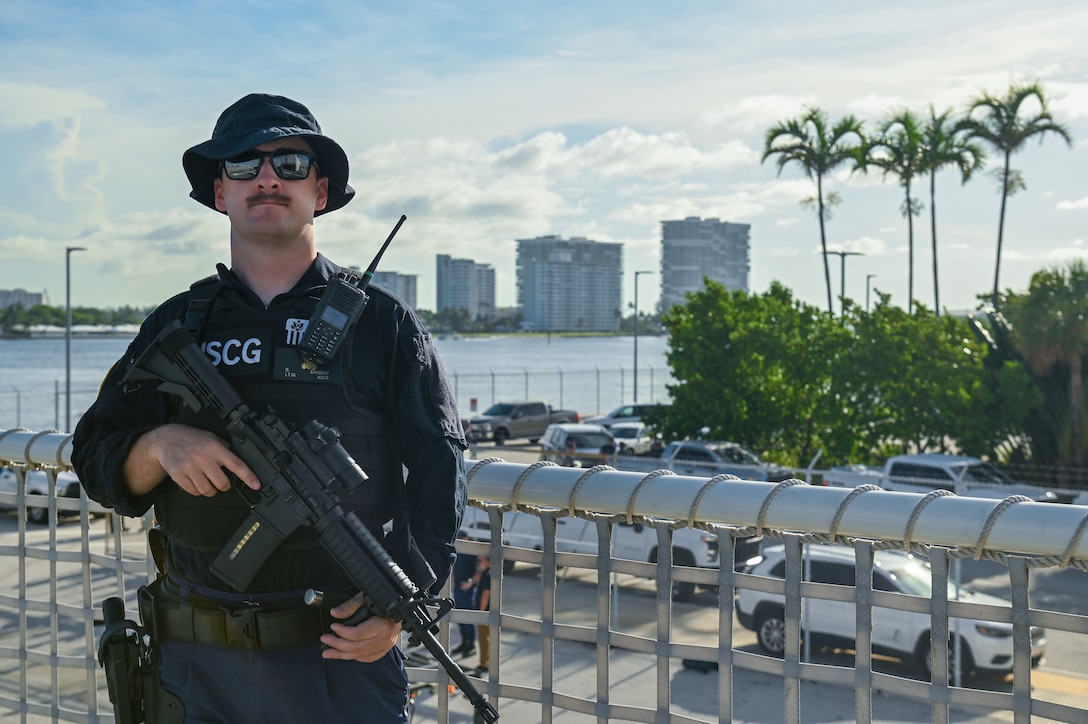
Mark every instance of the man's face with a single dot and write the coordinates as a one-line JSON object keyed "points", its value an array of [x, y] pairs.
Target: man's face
{"points": [[268, 205]]}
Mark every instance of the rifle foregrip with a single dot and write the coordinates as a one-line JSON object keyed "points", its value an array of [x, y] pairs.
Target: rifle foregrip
{"points": [[368, 565]]}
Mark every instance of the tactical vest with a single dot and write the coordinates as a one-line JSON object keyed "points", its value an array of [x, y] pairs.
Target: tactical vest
{"points": [[256, 350]]}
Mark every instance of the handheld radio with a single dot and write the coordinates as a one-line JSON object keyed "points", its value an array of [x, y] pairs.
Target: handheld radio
{"points": [[339, 308]]}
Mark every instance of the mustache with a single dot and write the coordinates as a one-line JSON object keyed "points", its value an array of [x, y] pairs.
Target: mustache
{"points": [[264, 196]]}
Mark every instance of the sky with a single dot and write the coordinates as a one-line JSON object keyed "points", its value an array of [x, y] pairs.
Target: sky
{"points": [[488, 122]]}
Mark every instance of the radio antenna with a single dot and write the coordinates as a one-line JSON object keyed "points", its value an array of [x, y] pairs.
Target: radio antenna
{"points": [[369, 273], [339, 308]]}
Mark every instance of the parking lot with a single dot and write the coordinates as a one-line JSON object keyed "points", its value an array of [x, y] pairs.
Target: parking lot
{"points": [[1062, 676]]}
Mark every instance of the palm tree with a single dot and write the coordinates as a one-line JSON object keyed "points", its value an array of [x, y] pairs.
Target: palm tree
{"points": [[819, 148], [1050, 326], [899, 150], [998, 122], [945, 145]]}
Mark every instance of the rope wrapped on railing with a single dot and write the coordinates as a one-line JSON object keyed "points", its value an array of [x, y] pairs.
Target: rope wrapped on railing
{"points": [[765, 507], [51, 448], [572, 504], [1047, 534], [916, 511], [694, 512]]}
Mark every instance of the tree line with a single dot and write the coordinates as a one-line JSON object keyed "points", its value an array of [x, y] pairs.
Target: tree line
{"points": [[791, 381], [16, 319], [908, 146]]}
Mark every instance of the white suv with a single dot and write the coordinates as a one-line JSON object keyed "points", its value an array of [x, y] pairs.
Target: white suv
{"points": [[986, 645]]}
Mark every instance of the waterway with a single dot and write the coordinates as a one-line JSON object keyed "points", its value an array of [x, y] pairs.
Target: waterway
{"points": [[588, 374]]}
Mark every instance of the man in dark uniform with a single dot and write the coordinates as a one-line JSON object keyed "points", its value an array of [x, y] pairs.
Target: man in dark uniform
{"points": [[271, 170], [464, 596]]}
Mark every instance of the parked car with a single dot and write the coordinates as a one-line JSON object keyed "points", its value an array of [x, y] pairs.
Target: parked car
{"points": [[505, 420], [578, 444], [690, 547], [37, 483], [985, 646], [632, 438], [706, 458], [624, 413]]}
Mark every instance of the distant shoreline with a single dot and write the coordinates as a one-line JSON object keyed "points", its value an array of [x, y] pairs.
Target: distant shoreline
{"points": [[84, 331]]}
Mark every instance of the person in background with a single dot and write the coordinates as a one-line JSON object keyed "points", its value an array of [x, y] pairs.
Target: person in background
{"points": [[572, 452], [483, 603], [261, 654], [464, 596]]}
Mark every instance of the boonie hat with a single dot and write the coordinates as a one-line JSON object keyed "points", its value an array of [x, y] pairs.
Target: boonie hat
{"points": [[259, 118]]}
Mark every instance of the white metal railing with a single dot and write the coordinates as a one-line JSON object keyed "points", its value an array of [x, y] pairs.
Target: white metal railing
{"points": [[56, 577]]}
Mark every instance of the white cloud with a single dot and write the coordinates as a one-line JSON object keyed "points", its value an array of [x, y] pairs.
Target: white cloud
{"points": [[1069, 100], [756, 113], [623, 152], [75, 177], [866, 245], [872, 108], [26, 249], [534, 178], [27, 105], [1074, 250]]}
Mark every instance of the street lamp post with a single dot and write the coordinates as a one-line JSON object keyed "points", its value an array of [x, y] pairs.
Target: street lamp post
{"points": [[634, 385], [868, 278], [68, 335], [842, 274]]}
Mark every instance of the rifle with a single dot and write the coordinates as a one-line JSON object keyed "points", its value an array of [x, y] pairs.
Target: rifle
{"points": [[302, 473]]}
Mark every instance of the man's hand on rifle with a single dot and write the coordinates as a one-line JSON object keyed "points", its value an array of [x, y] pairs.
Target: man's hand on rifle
{"points": [[366, 642], [196, 460]]}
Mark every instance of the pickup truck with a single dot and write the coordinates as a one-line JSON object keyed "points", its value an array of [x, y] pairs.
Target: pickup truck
{"points": [[505, 420], [852, 475], [707, 459], [690, 547], [962, 475]]}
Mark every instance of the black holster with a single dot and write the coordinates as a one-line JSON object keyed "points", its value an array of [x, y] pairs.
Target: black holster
{"points": [[131, 661]]}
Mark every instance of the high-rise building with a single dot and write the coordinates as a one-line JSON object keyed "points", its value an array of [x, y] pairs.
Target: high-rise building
{"points": [[20, 298], [403, 285], [464, 284], [570, 285], [695, 248], [485, 292]]}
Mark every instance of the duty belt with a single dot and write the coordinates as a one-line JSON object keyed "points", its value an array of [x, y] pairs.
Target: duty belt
{"points": [[250, 627]]}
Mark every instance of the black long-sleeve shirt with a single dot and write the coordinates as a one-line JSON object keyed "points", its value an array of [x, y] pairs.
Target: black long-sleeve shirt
{"points": [[389, 372]]}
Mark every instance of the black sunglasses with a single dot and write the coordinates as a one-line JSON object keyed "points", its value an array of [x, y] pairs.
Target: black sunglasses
{"points": [[289, 165]]}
